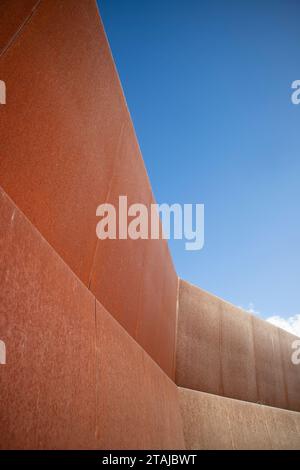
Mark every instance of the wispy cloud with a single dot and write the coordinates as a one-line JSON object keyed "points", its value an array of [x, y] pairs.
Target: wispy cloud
{"points": [[251, 309], [290, 324]]}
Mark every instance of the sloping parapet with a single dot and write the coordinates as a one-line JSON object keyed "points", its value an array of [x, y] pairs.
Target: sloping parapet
{"points": [[226, 351], [214, 422], [67, 146], [73, 377]]}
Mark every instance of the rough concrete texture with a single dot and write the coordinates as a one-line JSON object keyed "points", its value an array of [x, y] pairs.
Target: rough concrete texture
{"points": [[68, 145], [74, 377], [213, 422], [226, 351]]}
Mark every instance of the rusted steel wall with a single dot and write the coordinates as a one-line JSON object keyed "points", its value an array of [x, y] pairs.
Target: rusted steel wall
{"points": [[214, 422], [13, 15], [68, 145], [226, 351], [74, 378]]}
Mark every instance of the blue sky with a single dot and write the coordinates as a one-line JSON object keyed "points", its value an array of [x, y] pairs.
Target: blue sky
{"points": [[208, 85]]}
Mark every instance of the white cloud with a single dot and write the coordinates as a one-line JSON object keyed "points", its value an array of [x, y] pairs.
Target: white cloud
{"points": [[251, 309], [290, 324]]}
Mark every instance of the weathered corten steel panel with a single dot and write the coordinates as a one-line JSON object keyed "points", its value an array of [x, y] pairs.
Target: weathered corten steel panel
{"points": [[13, 16], [158, 298], [47, 321], [226, 351], [213, 422], [268, 360], [237, 354], [61, 125], [198, 362], [291, 371], [74, 377], [138, 405], [68, 145], [119, 264]]}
